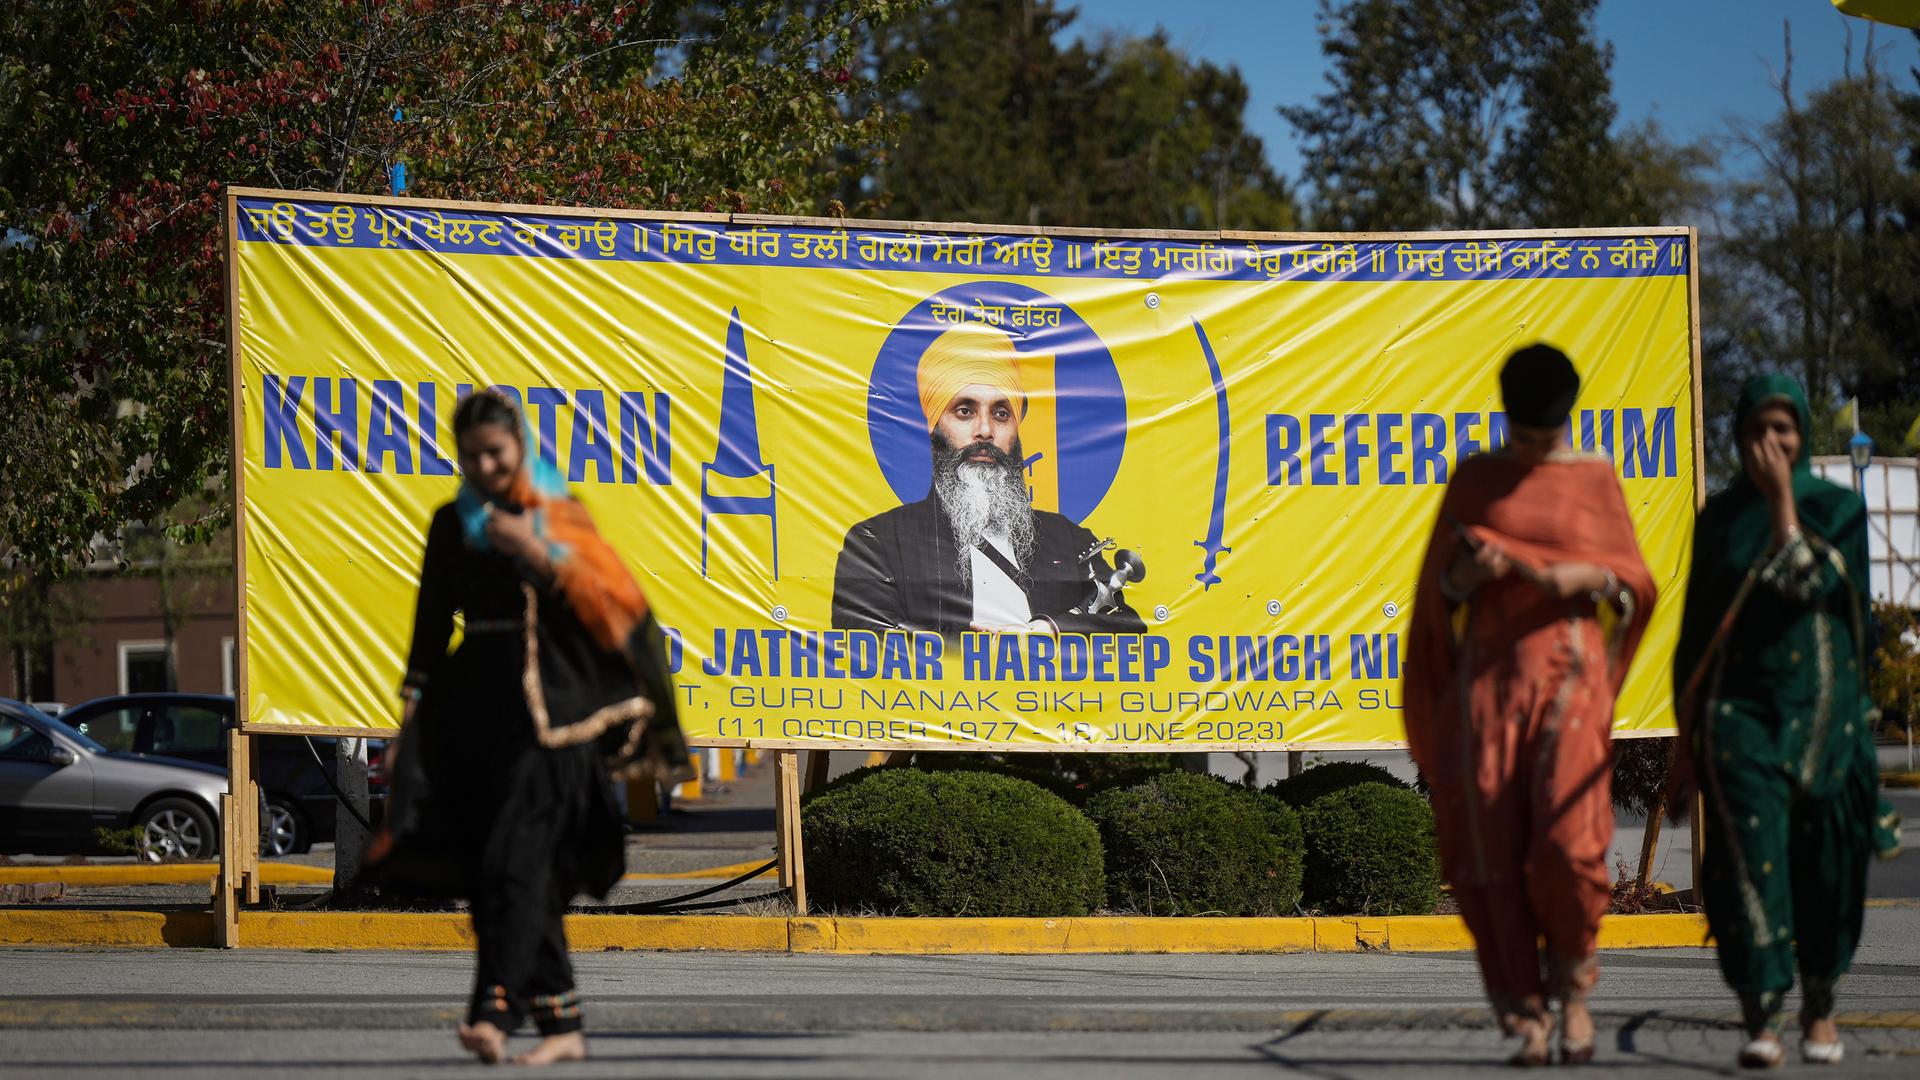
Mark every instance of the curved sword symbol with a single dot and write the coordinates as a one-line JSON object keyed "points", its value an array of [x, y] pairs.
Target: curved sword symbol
{"points": [[1217, 522]]}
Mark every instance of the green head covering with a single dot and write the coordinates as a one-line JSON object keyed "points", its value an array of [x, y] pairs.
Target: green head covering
{"points": [[1823, 507], [1736, 527], [1764, 390]]}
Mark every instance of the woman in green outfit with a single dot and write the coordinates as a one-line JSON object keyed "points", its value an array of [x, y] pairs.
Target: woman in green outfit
{"points": [[1770, 684]]}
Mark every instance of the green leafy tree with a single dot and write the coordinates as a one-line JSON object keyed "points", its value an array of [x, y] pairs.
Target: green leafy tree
{"points": [[1410, 132], [1562, 167], [120, 122], [1820, 249], [1007, 124], [1465, 114]]}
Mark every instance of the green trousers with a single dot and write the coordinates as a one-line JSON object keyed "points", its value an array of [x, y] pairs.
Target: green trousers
{"points": [[1784, 873]]}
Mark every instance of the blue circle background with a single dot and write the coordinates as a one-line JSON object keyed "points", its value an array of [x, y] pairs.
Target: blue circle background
{"points": [[1090, 407]]}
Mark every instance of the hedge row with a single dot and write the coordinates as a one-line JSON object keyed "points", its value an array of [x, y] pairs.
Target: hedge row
{"points": [[969, 836]]}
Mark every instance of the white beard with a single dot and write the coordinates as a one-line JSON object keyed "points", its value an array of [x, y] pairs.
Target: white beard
{"points": [[980, 498]]}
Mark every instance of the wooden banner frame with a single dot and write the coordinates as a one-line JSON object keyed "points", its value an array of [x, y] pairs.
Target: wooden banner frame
{"points": [[238, 882]]}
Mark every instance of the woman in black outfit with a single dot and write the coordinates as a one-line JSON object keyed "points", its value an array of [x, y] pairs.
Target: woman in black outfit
{"points": [[501, 789]]}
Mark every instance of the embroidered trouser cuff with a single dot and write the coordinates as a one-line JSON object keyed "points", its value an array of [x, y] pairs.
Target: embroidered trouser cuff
{"points": [[556, 1014], [492, 1005]]}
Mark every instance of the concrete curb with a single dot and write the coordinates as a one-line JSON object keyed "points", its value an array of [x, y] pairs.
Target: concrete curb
{"points": [[271, 873], [93, 876], [334, 930]]}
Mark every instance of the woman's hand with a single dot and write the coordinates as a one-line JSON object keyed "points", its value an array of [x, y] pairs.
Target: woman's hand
{"points": [[1770, 468], [1568, 580], [407, 710], [1476, 564], [510, 534]]}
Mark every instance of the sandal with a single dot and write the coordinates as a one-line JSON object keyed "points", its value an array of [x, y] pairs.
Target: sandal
{"points": [[1823, 1053], [1535, 1051], [1576, 1053], [1764, 1052]]}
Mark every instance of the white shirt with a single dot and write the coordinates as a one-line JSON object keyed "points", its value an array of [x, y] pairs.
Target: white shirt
{"points": [[997, 599]]}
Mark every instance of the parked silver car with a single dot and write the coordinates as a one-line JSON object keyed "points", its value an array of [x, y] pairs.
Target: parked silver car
{"points": [[62, 793]]}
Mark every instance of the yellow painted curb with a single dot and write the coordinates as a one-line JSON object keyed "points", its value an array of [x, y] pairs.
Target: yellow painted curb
{"points": [[1900, 779], [1121, 934], [83, 928], [717, 872], [1653, 931], [738, 933], [95, 875]]}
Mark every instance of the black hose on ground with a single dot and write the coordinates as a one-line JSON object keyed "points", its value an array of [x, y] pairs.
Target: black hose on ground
{"points": [[646, 907]]}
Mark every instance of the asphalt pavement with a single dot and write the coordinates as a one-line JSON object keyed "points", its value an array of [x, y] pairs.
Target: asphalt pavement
{"points": [[203, 1013], [180, 1013]]}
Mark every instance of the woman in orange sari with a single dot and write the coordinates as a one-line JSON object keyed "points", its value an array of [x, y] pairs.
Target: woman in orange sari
{"points": [[1531, 602]]}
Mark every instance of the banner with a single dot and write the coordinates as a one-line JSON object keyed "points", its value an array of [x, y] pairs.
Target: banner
{"points": [[905, 488]]}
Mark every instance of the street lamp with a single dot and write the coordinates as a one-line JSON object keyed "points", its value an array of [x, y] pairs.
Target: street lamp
{"points": [[1860, 450]]}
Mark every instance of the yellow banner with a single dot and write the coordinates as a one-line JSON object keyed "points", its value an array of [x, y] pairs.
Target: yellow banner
{"points": [[846, 464]]}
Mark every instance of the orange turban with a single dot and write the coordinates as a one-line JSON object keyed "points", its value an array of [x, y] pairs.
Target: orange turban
{"points": [[968, 355]]}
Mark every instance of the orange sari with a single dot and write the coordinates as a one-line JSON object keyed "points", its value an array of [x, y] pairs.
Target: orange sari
{"points": [[1509, 698]]}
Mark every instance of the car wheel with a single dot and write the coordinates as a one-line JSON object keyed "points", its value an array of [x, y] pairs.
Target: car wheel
{"points": [[175, 829], [283, 831]]}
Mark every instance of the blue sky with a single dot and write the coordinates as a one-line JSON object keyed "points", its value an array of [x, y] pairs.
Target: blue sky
{"points": [[1696, 65]]}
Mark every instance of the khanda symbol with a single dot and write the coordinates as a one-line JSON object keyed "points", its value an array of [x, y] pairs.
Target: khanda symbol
{"points": [[1217, 520]]}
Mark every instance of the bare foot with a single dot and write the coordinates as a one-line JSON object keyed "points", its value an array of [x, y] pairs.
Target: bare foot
{"points": [[569, 1047], [1576, 1033], [1536, 1034], [484, 1041], [1823, 1030]]}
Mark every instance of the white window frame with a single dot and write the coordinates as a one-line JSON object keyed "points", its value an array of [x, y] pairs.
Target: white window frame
{"points": [[228, 647], [127, 648]]}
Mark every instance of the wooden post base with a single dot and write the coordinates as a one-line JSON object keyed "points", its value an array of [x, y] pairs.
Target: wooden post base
{"points": [[238, 882], [786, 817]]}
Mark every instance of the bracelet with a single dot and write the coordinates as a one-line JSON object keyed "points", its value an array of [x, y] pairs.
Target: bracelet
{"points": [[1609, 591], [412, 693]]}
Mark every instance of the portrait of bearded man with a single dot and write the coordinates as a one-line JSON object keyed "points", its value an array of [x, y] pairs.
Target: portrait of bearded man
{"points": [[974, 554]]}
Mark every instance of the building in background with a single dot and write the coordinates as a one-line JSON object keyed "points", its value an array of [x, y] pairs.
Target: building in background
{"points": [[165, 623], [1891, 489]]}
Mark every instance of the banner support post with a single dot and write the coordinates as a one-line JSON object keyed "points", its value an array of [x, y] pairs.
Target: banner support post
{"points": [[786, 824], [238, 881]]}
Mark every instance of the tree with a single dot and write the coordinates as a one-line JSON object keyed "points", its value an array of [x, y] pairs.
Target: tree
{"points": [[1006, 124], [120, 122], [1171, 148], [1464, 114], [1820, 249], [1562, 167]]}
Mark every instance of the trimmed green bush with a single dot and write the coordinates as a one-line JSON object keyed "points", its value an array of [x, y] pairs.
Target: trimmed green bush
{"points": [[912, 842], [1014, 765], [1370, 851], [1185, 844], [1097, 772], [1300, 790], [1086, 791], [846, 779]]}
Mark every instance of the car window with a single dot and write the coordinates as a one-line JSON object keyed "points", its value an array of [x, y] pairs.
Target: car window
{"points": [[113, 728], [188, 729], [18, 742]]}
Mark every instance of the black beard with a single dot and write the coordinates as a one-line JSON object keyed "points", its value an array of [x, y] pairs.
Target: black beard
{"points": [[947, 458]]}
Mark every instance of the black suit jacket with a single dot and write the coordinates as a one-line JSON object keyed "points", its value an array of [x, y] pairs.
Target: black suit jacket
{"points": [[898, 570]]}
